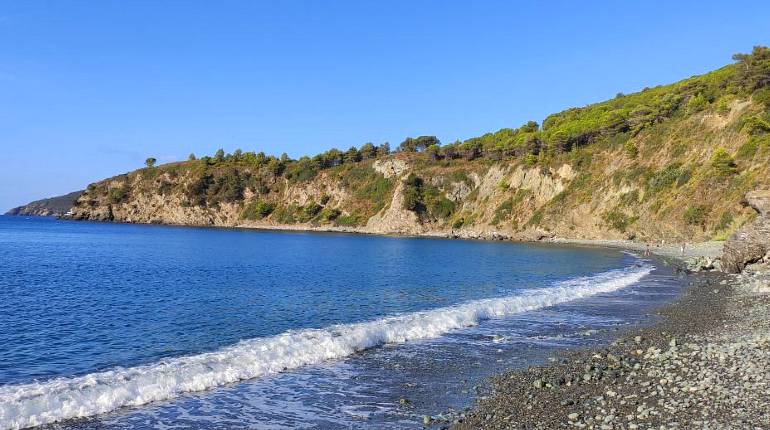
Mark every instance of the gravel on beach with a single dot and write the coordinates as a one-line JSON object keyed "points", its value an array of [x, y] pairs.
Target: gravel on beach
{"points": [[704, 364]]}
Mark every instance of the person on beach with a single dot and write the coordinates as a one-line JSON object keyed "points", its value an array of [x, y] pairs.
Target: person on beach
{"points": [[682, 248]]}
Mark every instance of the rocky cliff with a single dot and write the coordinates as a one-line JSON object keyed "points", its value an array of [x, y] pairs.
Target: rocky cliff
{"points": [[667, 163], [54, 206]]}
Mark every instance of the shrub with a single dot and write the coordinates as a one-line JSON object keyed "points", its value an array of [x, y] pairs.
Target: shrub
{"points": [[755, 125], [285, 214], [441, 207], [723, 105], [347, 220], [118, 194], [667, 177], [697, 104], [329, 214], [762, 96], [412, 197], [307, 212], [226, 187], [631, 148], [196, 190], [536, 218], [696, 215], [722, 163], [725, 221], [748, 149], [503, 211], [377, 189], [618, 220], [530, 160], [257, 210]]}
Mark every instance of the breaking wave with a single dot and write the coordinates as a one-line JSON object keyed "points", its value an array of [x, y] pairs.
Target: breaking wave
{"points": [[38, 403]]}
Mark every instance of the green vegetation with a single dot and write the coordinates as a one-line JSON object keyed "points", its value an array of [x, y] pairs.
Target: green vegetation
{"points": [[672, 174], [706, 137], [347, 221], [425, 199], [722, 163], [257, 210], [696, 215], [503, 212], [725, 221], [630, 198], [613, 122], [118, 194], [618, 220]]}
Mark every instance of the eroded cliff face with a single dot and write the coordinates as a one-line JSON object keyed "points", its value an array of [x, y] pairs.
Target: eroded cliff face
{"points": [[604, 194], [679, 180]]}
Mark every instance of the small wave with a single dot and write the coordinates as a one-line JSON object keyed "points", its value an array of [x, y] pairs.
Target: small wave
{"points": [[38, 403]]}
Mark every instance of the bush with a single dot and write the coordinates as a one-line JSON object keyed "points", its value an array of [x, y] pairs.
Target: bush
{"points": [[257, 210], [536, 218], [285, 214], [618, 220], [762, 96], [667, 177], [118, 194], [347, 220], [412, 196], [631, 149], [697, 104], [725, 221], [441, 207], [329, 214], [755, 125], [722, 163], [748, 149], [377, 189], [503, 212], [696, 215]]}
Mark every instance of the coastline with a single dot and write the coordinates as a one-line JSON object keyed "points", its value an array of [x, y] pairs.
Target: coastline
{"points": [[670, 250], [701, 364]]}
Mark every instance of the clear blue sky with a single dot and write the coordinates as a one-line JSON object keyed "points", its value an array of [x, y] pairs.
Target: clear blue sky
{"points": [[89, 89]]}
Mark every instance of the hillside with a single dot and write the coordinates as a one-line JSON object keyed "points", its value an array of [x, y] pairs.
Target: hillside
{"points": [[667, 163], [54, 206]]}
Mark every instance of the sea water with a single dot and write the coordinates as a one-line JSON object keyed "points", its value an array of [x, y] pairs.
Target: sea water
{"points": [[136, 326]]}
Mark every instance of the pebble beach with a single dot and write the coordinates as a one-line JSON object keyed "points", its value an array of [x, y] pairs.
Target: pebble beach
{"points": [[703, 364]]}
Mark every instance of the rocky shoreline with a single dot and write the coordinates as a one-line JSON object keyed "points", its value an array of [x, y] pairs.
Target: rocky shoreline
{"points": [[703, 364]]}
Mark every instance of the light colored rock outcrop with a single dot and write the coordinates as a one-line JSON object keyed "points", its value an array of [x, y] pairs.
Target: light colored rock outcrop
{"points": [[751, 243], [394, 219], [391, 167]]}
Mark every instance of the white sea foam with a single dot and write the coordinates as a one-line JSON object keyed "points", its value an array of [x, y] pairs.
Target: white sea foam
{"points": [[38, 403]]}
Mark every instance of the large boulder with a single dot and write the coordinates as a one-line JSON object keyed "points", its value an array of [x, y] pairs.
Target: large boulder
{"points": [[760, 201], [751, 243]]}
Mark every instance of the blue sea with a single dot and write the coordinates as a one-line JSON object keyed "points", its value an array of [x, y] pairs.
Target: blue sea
{"points": [[138, 326]]}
